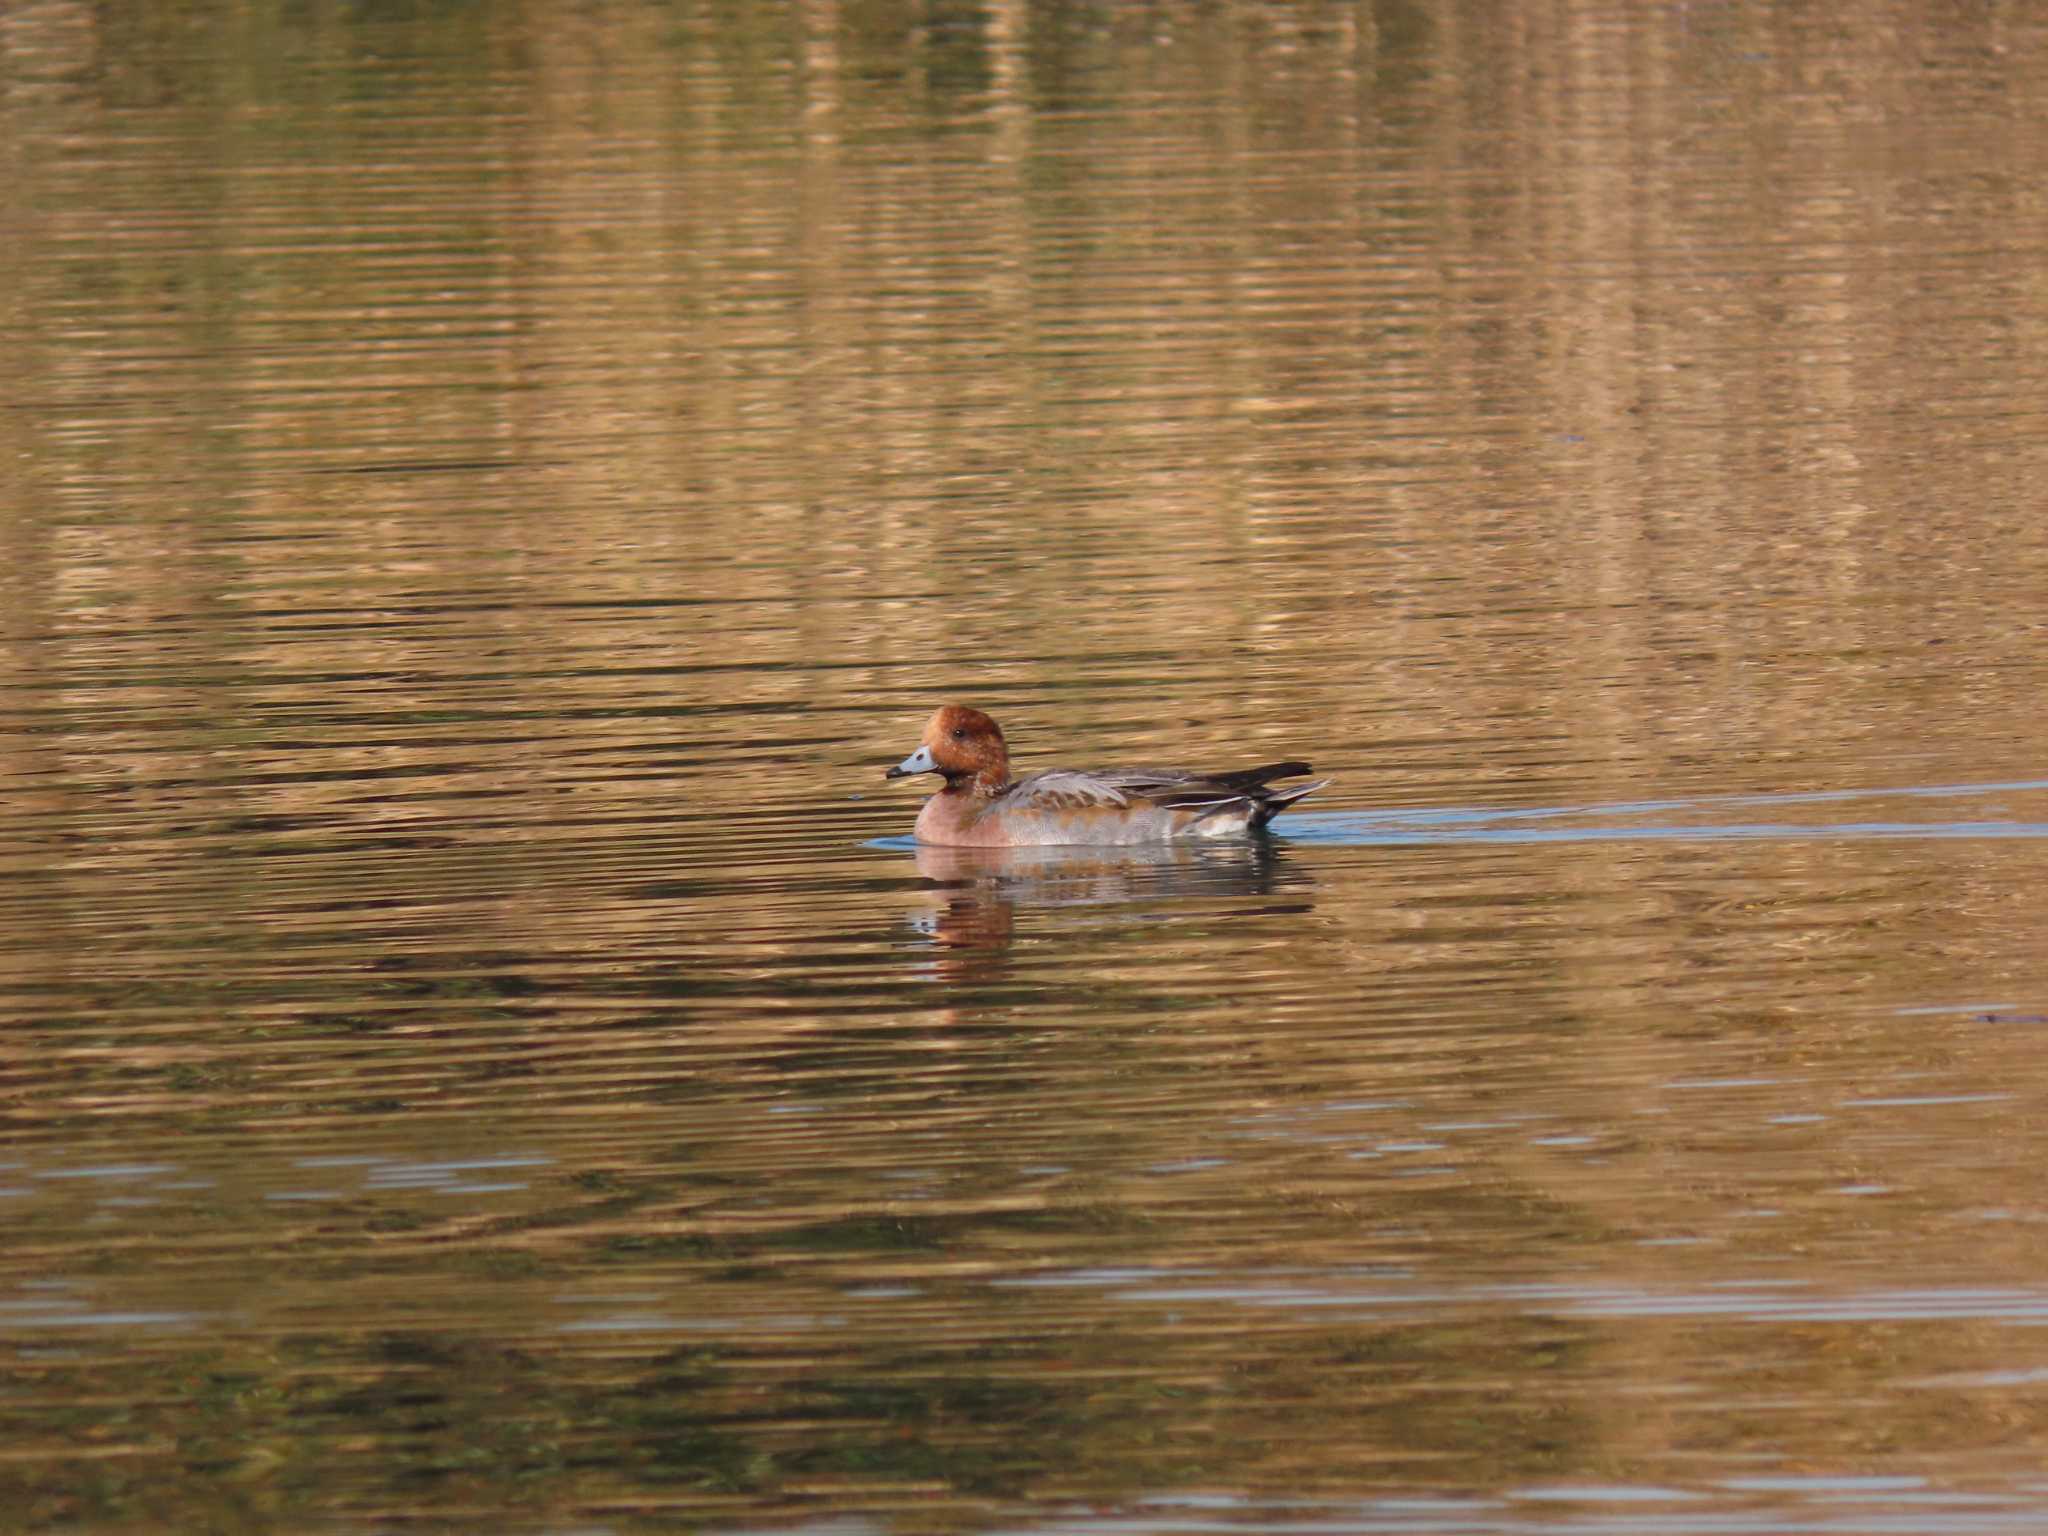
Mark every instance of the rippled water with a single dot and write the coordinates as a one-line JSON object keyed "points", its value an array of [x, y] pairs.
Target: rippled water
{"points": [[483, 500]]}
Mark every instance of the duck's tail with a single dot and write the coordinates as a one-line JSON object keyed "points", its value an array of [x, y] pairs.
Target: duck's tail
{"points": [[1223, 794], [1268, 802]]}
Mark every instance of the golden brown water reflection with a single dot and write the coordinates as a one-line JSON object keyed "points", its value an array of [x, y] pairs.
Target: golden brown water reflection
{"points": [[483, 499]]}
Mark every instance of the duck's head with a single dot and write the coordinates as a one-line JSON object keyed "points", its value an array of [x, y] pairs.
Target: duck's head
{"points": [[962, 744]]}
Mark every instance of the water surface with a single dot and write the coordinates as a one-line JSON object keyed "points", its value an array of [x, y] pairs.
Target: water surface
{"points": [[484, 499]]}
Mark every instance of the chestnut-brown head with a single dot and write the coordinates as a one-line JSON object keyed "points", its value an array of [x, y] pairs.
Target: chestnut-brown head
{"points": [[962, 744]]}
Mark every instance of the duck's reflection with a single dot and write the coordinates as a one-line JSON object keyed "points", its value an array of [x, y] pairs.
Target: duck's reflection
{"points": [[979, 891]]}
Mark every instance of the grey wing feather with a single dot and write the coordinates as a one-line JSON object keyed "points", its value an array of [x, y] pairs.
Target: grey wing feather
{"points": [[1064, 789]]}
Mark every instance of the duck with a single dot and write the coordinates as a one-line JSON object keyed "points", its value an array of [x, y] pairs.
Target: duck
{"points": [[981, 806]]}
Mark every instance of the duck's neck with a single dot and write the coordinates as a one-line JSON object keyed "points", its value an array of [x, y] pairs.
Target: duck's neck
{"points": [[976, 786]]}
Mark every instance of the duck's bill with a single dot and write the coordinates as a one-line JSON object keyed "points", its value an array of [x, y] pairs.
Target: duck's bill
{"points": [[919, 761]]}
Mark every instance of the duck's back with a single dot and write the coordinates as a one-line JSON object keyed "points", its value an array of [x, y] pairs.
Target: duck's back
{"points": [[1135, 805]]}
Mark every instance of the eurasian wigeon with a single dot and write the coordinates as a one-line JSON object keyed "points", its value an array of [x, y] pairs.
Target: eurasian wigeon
{"points": [[981, 807]]}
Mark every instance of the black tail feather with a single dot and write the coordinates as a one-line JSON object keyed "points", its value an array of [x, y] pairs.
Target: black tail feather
{"points": [[1255, 778], [1219, 793], [1268, 803]]}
